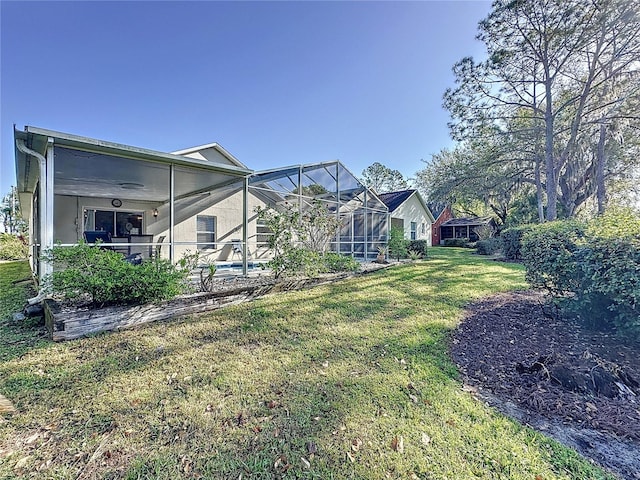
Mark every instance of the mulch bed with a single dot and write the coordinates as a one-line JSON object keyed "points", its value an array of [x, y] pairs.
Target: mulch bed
{"points": [[517, 352]]}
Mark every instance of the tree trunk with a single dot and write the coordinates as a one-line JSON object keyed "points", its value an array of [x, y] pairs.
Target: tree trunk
{"points": [[539, 190], [601, 193], [552, 184]]}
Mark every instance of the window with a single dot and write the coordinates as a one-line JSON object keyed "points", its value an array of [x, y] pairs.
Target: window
{"points": [[263, 233], [414, 228], [119, 224], [206, 231]]}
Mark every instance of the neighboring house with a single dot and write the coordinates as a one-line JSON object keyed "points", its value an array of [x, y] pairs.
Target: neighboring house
{"points": [[465, 227], [409, 212], [165, 204], [441, 212]]}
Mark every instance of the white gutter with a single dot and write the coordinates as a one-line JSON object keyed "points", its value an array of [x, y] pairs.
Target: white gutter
{"points": [[45, 267]]}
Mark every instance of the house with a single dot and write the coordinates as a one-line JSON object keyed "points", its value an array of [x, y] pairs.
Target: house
{"points": [[441, 212], [466, 227], [409, 212], [165, 204]]}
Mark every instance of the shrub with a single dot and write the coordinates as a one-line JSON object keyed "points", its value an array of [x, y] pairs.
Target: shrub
{"points": [[418, 246], [512, 241], [334, 262], [102, 277], [547, 252], [12, 247], [398, 245], [593, 268], [488, 246], [456, 242]]}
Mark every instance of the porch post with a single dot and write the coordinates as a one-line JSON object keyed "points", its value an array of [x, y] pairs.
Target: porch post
{"points": [[171, 211], [245, 225], [366, 225], [46, 208]]}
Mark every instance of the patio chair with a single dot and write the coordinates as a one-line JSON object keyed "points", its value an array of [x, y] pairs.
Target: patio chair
{"points": [[145, 252], [236, 246], [93, 236]]}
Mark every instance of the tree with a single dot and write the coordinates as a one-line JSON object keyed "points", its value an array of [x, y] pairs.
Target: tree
{"points": [[552, 64], [382, 179], [12, 220]]}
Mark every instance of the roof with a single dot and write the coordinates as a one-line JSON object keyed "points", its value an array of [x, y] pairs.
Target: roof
{"points": [[393, 200], [215, 146], [464, 221], [98, 168]]}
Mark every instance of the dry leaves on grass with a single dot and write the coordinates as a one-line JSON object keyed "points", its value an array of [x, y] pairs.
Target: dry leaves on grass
{"points": [[397, 444]]}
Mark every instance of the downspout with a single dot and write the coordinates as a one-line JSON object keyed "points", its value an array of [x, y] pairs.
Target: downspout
{"points": [[44, 228]]}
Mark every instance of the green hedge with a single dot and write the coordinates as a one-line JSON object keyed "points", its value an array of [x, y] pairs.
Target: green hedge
{"points": [[547, 251], [592, 267], [102, 277], [489, 246], [512, 241], [419, 247], [455, 242]]}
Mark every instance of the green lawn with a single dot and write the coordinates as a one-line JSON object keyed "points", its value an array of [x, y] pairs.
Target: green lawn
{"points": [[350, 380]]}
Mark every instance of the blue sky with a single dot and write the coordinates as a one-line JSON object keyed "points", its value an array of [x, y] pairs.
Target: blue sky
{"points": [[275, 83]]}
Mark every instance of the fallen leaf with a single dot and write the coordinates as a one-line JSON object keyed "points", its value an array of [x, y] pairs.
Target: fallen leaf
{"points": [[5, 405], [272, 404], [397, 444], [350, 457], [312, 448], [32, 438], [305, 463], [413, 398], [325, 364], [425, 439], [20, 464], [356, 444]]}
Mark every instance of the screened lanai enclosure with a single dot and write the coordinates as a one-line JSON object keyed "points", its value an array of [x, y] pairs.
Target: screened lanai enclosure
{"points": [[363, 218], [156, 204]]}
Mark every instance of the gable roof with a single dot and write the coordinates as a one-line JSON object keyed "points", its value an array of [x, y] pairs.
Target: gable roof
{"points": [[393, 200], [188, 152]]}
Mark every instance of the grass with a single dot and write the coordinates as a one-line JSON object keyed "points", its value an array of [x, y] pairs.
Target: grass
{"points": [[350, 380]]}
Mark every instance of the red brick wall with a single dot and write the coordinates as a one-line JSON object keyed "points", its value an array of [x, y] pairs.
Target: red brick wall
{"points": [[435, 229]]}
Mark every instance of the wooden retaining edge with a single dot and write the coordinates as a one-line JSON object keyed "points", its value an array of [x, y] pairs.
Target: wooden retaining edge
{"points": [[71, 324]]}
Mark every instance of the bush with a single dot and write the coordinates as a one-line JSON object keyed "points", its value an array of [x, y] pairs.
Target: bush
{"points": [[488, 246], [512, 241], [102, 277], [548, 254], [398, 245], [592, 268], [418, 246], [456, 242], [12, 247], [334, 262]]}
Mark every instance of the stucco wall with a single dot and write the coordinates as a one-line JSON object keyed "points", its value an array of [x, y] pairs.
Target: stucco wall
{"points": [[413, 211], [69, 221]]}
